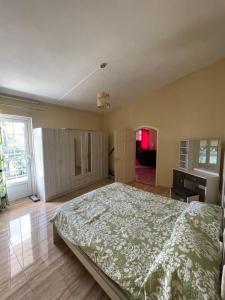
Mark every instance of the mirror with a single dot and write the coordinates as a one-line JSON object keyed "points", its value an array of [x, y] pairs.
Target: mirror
{"points": [[208, 154], [202, 151], [77, 152], [89, 152], [213, 152]]}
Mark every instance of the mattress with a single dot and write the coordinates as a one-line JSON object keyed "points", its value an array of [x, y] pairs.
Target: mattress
{"points": [[153, 247]]}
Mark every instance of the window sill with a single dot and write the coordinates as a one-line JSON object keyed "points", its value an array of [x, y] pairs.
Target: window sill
{"points": [[17, 181]]}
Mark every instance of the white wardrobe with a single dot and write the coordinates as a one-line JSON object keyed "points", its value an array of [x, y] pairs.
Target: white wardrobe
{"points": [[68, 159]]}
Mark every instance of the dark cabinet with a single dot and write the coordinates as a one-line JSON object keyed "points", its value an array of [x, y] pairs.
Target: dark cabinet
{"points": [[195, 183]]}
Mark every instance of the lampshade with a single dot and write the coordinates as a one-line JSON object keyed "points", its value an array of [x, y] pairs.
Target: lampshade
{"points": [[103, 100]]}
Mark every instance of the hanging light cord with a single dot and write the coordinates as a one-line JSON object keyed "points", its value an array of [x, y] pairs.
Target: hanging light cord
{"points": [[103, 81], [75, 86]]}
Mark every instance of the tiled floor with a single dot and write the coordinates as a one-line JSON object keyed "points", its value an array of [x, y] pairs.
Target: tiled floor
{"points": [[145, 174], [151, 188], [31, 266]]}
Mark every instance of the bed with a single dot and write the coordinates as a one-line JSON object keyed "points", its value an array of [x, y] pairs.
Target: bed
{"points": [[139, 245]]}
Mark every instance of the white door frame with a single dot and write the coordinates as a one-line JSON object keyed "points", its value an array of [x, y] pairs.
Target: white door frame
{"points": [[157, 148], [30, 145]]}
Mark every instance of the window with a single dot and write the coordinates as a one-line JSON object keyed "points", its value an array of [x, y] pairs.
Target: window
{"points": [[14, 148], [202, 152], [138, 135], [208, 157], [213, 152]]}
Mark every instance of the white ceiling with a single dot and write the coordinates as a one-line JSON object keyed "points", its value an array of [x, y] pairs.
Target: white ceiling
{"points": [[47, 46]]}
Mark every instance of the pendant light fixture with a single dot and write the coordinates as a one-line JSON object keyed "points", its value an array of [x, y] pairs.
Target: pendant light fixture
{"points": [[103, 98]]}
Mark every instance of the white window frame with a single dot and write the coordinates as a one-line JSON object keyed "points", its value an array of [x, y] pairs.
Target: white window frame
{"points": [[30, 145]]}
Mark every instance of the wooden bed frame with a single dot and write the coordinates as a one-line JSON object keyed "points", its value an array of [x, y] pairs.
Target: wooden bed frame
{"points": [[107, 284]]}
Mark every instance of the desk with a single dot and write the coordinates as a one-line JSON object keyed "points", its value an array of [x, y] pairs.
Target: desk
{"points": [[206, 185]]}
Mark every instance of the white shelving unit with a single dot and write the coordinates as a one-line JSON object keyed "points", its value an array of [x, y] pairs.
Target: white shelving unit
{"points": [[188, 152], [184, 150]]}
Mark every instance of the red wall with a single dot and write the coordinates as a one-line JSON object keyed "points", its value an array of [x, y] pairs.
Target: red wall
{"points": [[148, 139]]}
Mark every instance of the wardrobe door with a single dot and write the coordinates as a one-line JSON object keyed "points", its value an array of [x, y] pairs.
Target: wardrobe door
{"points": [[57, 161], [71, 159], [78, 168], [58, 176], [89, 157], [96, 138], [50, 161], [83, 157], [63, 175], [39, 162], [87, 152]]}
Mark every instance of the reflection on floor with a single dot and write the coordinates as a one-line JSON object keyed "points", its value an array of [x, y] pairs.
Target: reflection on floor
{"points": [[145, 174], [163, 191], [32, 267]]}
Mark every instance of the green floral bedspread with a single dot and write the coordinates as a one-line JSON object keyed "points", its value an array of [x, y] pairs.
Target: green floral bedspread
{"points": [[153, 247]]}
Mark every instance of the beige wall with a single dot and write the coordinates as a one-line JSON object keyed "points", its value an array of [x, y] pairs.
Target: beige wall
{"points": [[54, 116], [192, 107]]}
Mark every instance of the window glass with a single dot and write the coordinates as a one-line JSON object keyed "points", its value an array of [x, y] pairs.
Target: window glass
{"points": [[14, 147], [138, 135], [213, 152], [202, 152]]}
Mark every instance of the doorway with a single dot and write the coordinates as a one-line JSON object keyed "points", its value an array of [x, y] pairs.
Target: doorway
{"points": [[146, 155], [16, 132]]}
